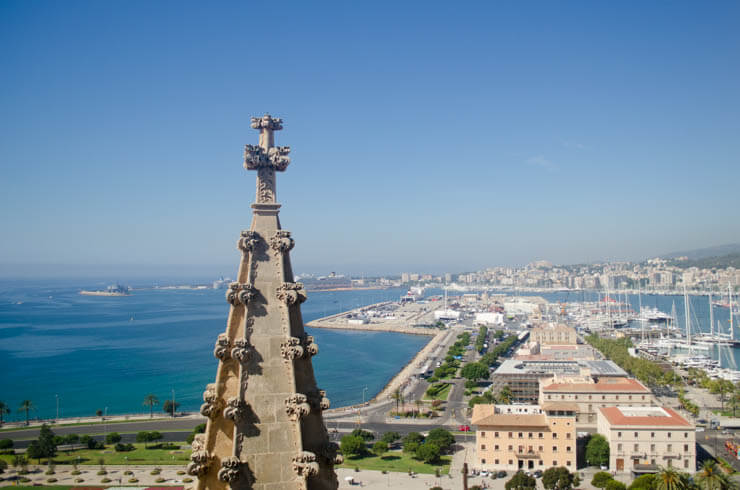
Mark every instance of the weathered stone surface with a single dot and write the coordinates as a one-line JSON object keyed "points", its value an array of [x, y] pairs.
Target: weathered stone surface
{"points": [[265, 429]]}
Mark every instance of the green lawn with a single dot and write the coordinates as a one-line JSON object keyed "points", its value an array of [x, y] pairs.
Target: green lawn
{"points": [[442, 395], [140, 455], [397, 461], [77, 424]]}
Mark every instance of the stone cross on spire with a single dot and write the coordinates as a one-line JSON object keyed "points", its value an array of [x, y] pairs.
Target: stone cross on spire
{"points": [[266, 158]]}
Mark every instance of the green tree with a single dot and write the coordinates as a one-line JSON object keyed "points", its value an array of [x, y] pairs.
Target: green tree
{"points": [[6, 443], [170, 407], [734, 401], [442, 438], [711, 477], [352, 445], [600, 479], [521, 481], [113, 438], [644, 482], [615, 485], [3, 466], [380, 448], [4, 410], [504, 396], [26, 406], [670, 479], [427, 452], [390, 437], [558, 479], [34, 451], [366, 435], [412, 441], [474, 371], [46, 446], [597, 450], [149, 401]]}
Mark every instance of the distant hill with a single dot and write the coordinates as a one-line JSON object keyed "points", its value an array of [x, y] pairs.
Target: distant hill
{"points": [[704, 253], [722, 262]]}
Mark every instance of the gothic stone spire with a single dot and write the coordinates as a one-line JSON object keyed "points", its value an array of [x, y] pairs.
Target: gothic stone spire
{"points": [[265, 428]]}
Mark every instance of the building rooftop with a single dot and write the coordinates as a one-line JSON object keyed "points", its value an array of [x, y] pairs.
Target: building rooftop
{"points": [[603, 385], [596, 368], [644, 417], [562, 406], [485, 415]]}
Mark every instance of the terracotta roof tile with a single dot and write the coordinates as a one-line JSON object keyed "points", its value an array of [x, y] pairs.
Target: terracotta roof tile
{"points": [[610, 385]]}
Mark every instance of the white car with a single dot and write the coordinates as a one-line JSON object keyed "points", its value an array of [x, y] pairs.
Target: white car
{"points": [[484, 473]]}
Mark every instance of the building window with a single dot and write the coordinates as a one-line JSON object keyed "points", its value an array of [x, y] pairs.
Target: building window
{"points": [[670, 463], [567, 436], [619, 434], [669, 435], [637, 447], [686, 447], [589, 397], [637, 435], [542, 448], [495, 448], [629, 397], [549, 397], [617, 397], [521, 449], [483, 434], [482, 461], [483, 447], [575, 397], [652, 448], [541, 464], [685, 435], [603, 397], [619, 447], [511, 448], [555, 463], [685, 463], [495, 461], [521, 435], [530, 435], [554, 435], [495, 434], [567, 463], [643, 397], [554, 449], [511, 434], [562, 397], [511, 462], [540, 435], [652, 434], [567, 449], [652, 461], [669, 448]]}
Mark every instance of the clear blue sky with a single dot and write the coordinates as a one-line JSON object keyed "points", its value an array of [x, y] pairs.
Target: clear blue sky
{"points": [[439, 136]]}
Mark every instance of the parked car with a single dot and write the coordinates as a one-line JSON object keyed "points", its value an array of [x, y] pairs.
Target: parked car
{"points": [[464, 428], [502, 474], [484, 473], [538, 474]]}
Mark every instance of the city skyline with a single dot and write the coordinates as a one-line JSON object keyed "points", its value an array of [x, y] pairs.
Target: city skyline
{"points": [[430, 138]]}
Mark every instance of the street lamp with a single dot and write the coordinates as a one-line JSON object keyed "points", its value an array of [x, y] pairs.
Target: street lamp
{"points": [[105, 424], [57, 397], [173, 403]]}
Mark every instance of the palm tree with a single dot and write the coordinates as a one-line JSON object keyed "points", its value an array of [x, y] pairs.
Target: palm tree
{"points": [[504, 396], [149, 401], [709, 476], [734, 401], [4, 409], [670, 479], [398, 397], [26, 405]]}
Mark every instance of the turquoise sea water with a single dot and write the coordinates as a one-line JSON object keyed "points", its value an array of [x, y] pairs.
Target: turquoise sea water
{"points": [[98, 352]]}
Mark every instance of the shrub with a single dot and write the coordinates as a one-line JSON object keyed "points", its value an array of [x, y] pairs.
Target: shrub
{"points": [[105, 480], [427, 452], [159, 480], [155, 471], [71, 439], [187, 480], [25, 480], [51, 480], [366, 435], [128, 472], [615, 485], [6, 443], [79, 480], [352, 445], [75, 472], [441, 437], [180, 472], [133, 480], [121, 448], [102, 472]]}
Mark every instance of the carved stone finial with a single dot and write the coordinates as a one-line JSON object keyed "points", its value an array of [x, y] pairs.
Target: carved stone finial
{"points": [[275, 158], [281, 242], [239, 293], [291, 349], [221, 351], [242, 351], [236, 409], [318, 400], [291, 292], [212, 404], [247, 241], [309, 346], [267, 122], [297, 406], [330, 451], [230, 470], [199, 459], [305, 465]]}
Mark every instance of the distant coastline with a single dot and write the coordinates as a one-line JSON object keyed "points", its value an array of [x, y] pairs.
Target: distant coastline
{"points": [[102, 293]]}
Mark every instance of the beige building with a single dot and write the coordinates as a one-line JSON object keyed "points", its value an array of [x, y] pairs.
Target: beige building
{"points": [[553, 334], [642, 439], [589, 395], [513, 437]]}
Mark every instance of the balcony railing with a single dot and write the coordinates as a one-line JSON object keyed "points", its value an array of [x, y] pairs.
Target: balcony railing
{"points": [[528, 454]]}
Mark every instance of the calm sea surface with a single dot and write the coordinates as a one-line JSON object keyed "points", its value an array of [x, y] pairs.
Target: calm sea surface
{"points": [[98, 352]]}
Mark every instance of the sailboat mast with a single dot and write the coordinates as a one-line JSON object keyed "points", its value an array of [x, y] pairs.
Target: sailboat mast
{"points": [[686, 312], [711, 316]]}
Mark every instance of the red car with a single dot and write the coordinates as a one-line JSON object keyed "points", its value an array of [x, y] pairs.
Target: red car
{"points": [[464, 428]]}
